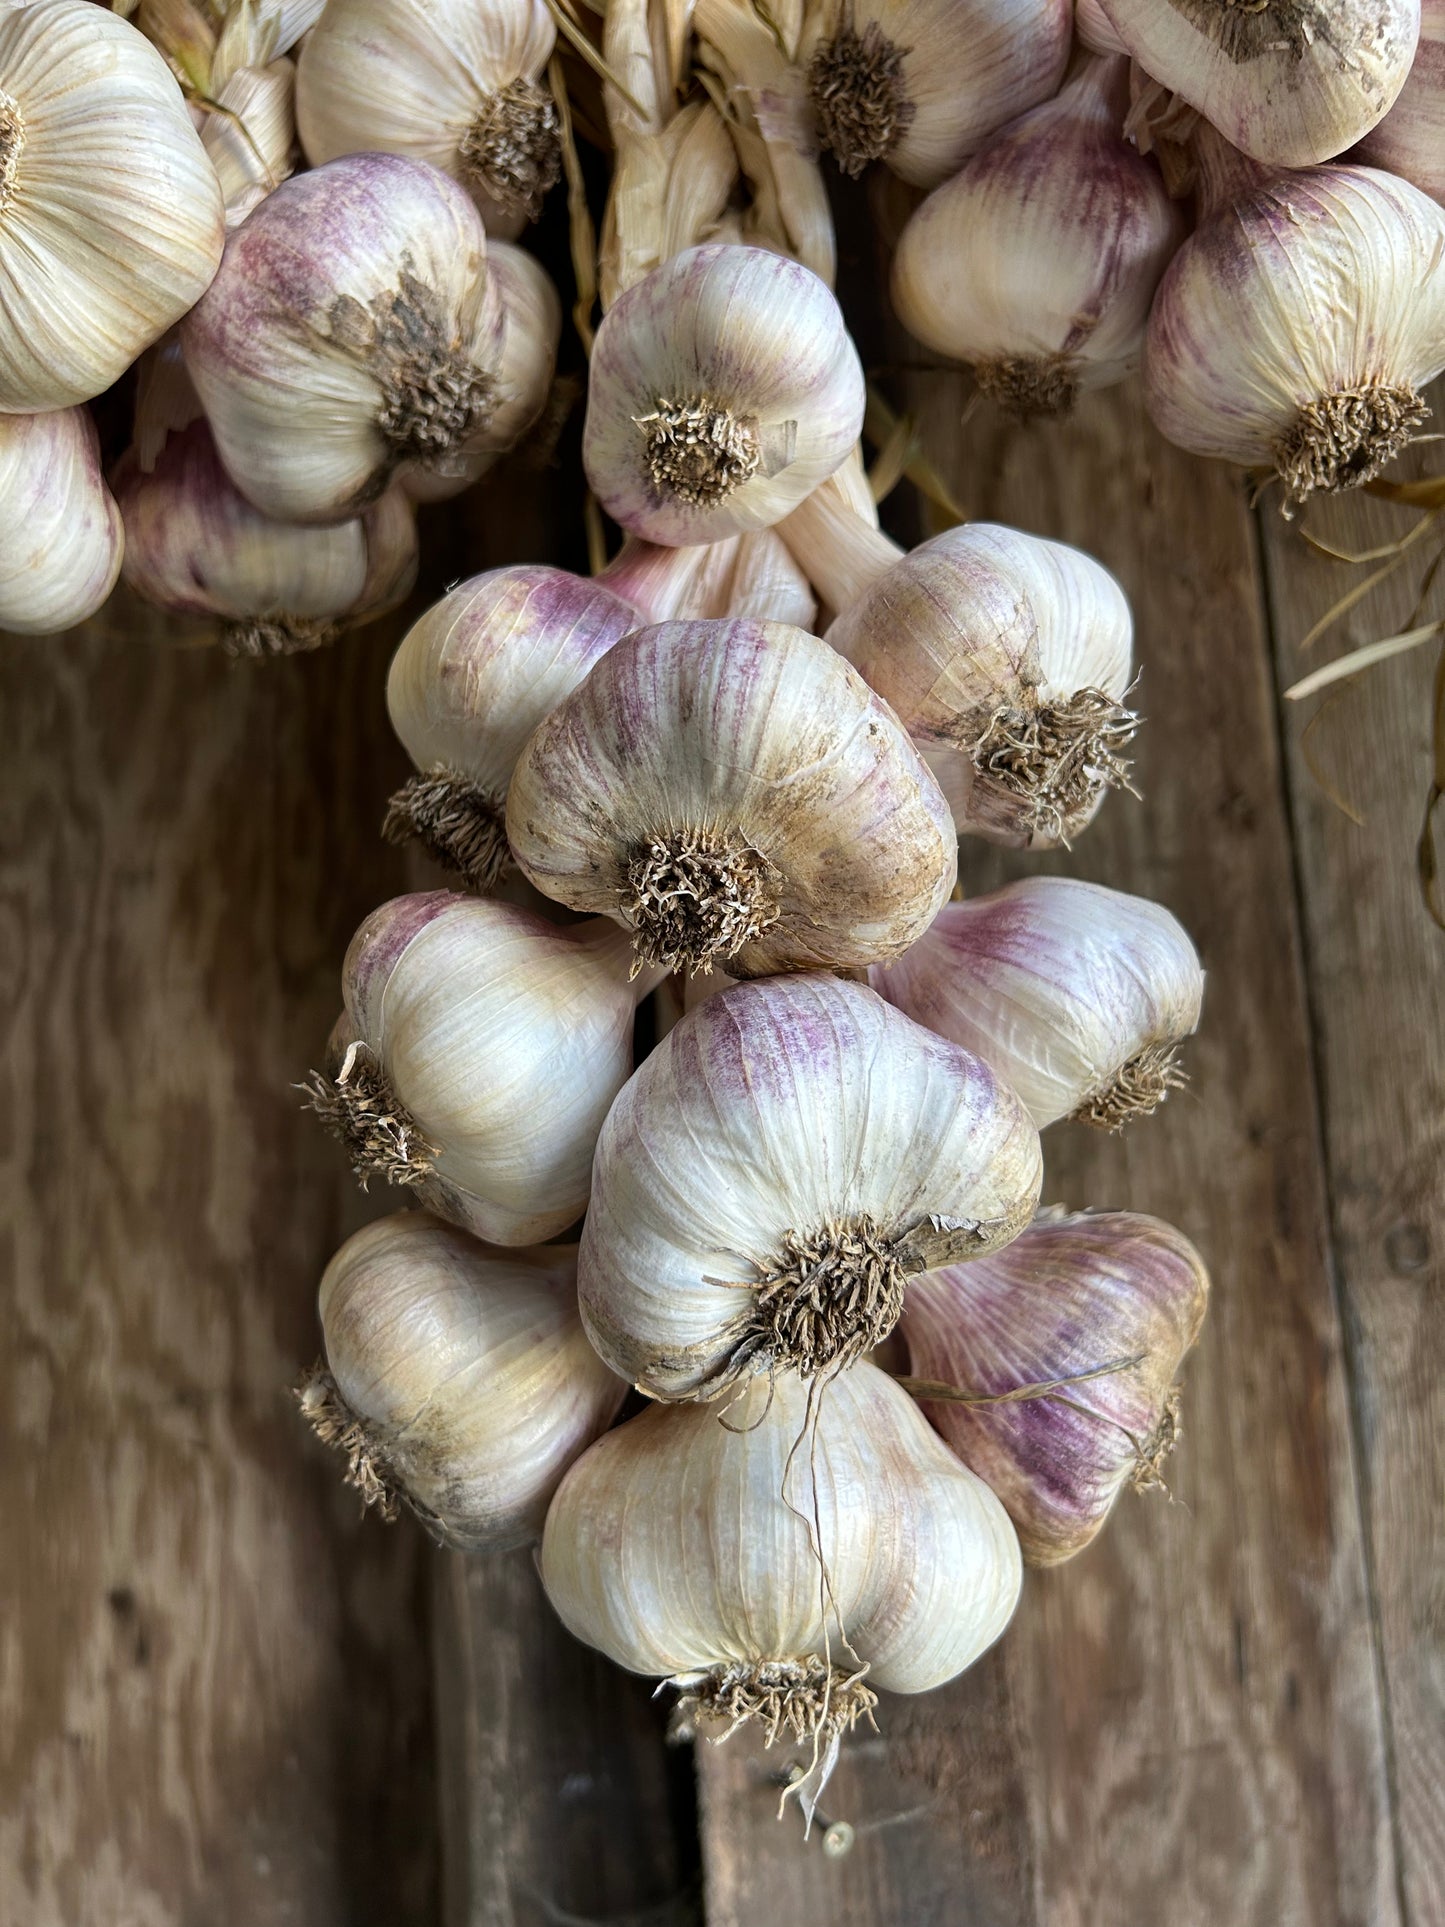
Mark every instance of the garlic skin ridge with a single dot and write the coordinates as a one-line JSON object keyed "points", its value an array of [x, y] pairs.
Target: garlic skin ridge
{"points": [[1074, 1293], [733, 792], [1410, 140], [111, 221], [785, 1161], [63, 534], [683, 1548], [457, 1378], [1076, 995]]}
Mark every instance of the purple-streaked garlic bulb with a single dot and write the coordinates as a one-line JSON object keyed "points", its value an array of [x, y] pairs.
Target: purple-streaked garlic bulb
{"points": [[458, 1379], [1062, 1355], [732, 792], [785, 1162], [196, 547], [752, 576], [1410, 140], [1078, 996], [63, 539], [472, 679]]}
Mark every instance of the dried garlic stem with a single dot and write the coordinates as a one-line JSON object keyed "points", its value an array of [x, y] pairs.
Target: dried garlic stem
{"points": [[1029, 388], [699, 451], [807, 1699], [360, 1108], [1136, 1090], [856, 82], [335, 1424], [696, 897], [280, 635], [461, 823], [513, 149], [1058, 758], [1343, 440]]}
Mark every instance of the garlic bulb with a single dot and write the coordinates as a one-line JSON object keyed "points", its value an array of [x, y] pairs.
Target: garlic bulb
{"points": [[457, 1379], [789, 1156], [1037, 263], [779, 1585], [471, 681], [353, 334], [1297, 326], [1288, 82], [723, 388], [478, 1054], [1410, 140], [250, 135], [732, 791], [921, 84], [110, 214], [1076, 995], [1007, 659], [452, 82], [1089, 1316], [196, 547], [63, 539], [750, 576]]}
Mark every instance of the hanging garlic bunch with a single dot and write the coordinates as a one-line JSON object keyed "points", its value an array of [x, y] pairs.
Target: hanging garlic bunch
{"points": [[63, 540], [921, 84], [723, 388], [456, 83], [110, 215], [352, 335], [733, 792], [752, 577], [781, 1166], [1297, 326], [1076, 995], [1037, 263], [1410, 140], [776, 1585], [1088, 1317], [196, 547], [1288, 82], [1007, 660], [457, 1379], [477, 1056], [471, 681]]}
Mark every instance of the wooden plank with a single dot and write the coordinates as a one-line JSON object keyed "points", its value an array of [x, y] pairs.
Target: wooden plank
{"points": [[1183, 1724], [1374, 961]]}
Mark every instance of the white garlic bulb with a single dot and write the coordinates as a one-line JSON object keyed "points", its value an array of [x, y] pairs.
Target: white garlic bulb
{"points": [[196, 547], [782, 1585], [1287, 84], [471, 681], [790, 1155], [63, 539], [732, 791], [723, 388], [751, 576], [110, 214], [1410, 140], [1297, 327], [1037, 262], [1078, 996], [1089, 1315], [456, 83], [1007, 660], [458, 1379], [352, 335], [250, 135], [921, 84], [477, 1056]]}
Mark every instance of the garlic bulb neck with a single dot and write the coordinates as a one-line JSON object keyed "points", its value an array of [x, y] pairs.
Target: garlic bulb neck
{"points": [[255, 637], [1137, 1089], [835, 1295], [1341, 440], [512, 152], [697, 451], [336, 1425], [362, 1111], [696, 897], [463, 824], [12, 143], [1056, 759], [808, 1699], [433, 394], [1030, 387], [859, 94]]}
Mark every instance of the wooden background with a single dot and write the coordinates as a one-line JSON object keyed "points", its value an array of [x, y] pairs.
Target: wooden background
{"points": [[226, 1699]]}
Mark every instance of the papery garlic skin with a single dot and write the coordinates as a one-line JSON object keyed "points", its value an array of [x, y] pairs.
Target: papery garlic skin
{"points": [[753, 577], [1074, 1293], [685, 1548], [351, 336], [196, 547], [723, 387], [1037, 262], [733, 792], [1298, 325], [1094, 30], [458, 1378], [250, 135], [455, 83], [1410, 140], [921, 84], [63, 538], [1076, 995], [779, 1167], [478, 1054], [1289, 85], [1007, 659], [110, 214], [471, 681]]}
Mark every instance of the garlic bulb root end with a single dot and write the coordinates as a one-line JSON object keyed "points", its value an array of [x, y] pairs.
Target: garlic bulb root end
{"points": [[1057, 758], [460, 822], [280, 635], [1345, 439], [359, 1107], [1137, 1090], [697, 451], [806, 1699], [1148, 1474], [12, 140], [856, 80], [836, 1294], [433, 395], [696, 897], [513, 149], [335, 1424], [1029, 387]]}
